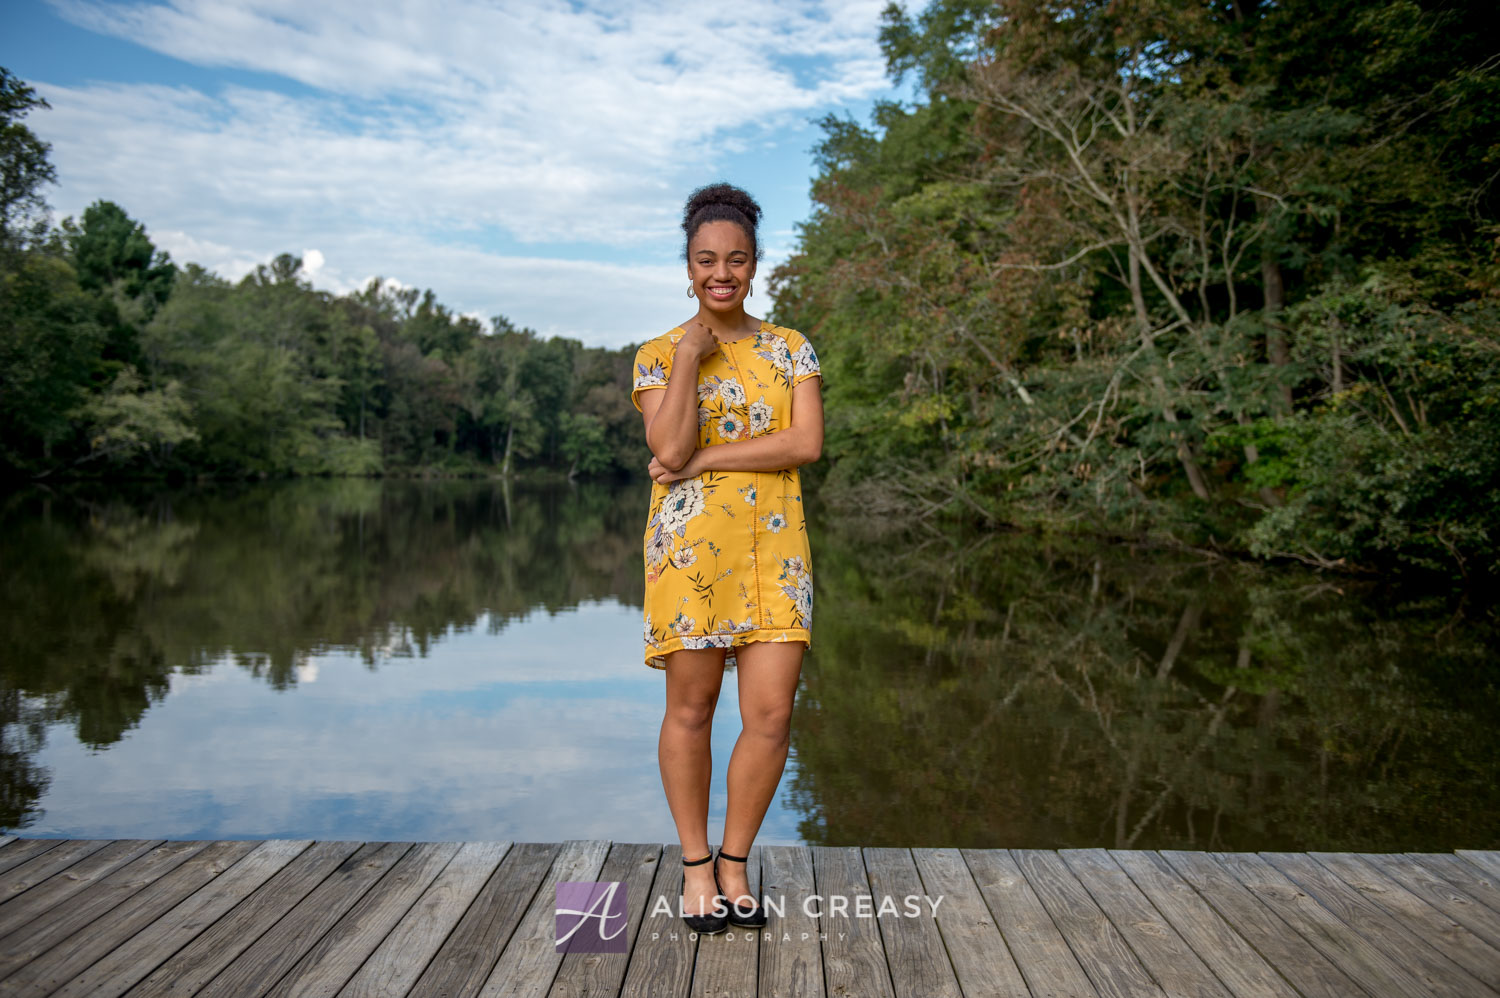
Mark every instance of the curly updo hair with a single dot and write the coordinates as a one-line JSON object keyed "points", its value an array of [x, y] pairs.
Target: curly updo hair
{"points": [[720, 203]]}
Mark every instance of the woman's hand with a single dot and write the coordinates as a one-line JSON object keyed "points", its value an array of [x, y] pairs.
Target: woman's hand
{"points": [[661, 473], [698, 340]]}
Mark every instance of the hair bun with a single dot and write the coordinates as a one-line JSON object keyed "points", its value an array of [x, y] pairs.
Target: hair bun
{"points": [[721, 202], [725, 194]]}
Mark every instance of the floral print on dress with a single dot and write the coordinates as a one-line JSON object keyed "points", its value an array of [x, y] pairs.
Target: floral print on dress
{"points": [[726, 554]]}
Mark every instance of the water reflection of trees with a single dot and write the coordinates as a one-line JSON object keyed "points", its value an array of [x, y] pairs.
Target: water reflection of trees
{"points": [[999, 690], [109, 592], [1007, 691]]}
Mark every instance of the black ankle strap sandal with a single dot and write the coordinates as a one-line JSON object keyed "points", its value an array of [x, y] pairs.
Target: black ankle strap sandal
{"points": [[750, 918], [709, 922]]}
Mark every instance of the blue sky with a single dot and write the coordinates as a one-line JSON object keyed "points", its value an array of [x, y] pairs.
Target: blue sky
{"points": [[524, 159]]}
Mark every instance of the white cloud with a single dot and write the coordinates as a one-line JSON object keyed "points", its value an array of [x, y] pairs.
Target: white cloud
{"points": [[430, 135]]}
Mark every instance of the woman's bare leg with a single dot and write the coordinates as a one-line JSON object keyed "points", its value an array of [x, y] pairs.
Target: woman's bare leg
{"points": [[694, 677], [768, 673]]}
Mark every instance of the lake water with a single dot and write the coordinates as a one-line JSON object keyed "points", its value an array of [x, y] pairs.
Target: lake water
{"points": [[354, 659]]}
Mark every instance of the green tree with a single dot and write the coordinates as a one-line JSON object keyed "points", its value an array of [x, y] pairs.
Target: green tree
{"points": [[110, 249], [128, 419], [127, 275], [584, 444], [24, 166], [50, 344]]}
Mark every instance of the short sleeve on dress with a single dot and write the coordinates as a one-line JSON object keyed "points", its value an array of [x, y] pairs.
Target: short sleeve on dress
{"points": [[653, 365], [804, 359]]}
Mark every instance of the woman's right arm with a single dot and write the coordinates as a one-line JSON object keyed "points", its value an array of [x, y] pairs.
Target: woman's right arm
{"points": [[671, 415]]}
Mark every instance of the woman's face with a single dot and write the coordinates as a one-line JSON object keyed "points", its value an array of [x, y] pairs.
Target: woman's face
{"points": [[720, 265]]}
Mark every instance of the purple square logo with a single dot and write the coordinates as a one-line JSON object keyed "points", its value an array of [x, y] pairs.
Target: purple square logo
{"points": [[591, 916]]}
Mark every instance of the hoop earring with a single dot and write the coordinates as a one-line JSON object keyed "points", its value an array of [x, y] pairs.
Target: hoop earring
{"points": [[749, 289], [691, 292]]}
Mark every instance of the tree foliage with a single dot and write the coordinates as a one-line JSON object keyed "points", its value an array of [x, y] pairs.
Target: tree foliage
{"points": [[1140, 265], [24, 166], [113, 361]]}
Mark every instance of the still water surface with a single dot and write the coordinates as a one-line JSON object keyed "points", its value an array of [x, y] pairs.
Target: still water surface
{"points": [[460, 660]]}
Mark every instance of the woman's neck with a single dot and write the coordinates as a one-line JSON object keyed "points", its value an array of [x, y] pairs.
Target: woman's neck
{"points": [[729, 326]]}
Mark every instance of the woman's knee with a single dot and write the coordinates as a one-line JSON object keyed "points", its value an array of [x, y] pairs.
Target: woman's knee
{"points": [[691, 714], [773, 721]]}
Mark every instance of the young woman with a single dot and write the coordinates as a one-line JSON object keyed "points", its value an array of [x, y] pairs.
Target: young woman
{"points": [[732, 408]]}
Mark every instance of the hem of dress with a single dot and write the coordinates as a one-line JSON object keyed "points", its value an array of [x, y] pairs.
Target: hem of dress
{"points": [[656, 654]]}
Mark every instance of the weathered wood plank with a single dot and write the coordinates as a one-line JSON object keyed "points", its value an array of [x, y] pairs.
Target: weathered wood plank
{"points": [[914, 949], [661, 961], [333, 960], [791, 954], [1453, 901], [59, 921], [728, 963], [87, 938], [1233, 960], [58, 874], [1408, 913], [1169, 959], [1437, 972], [530, 960], [1289, 952], [1486, 860], [983, 965], [465, 959], [20, 850], [392, 969], [101, 918], [1103, 953], [214, 948], [853, 961], [1356, 956], [124, 965], [1041, 953], [261, 965], [594, 975], [1462, 874], [1488, 866]]}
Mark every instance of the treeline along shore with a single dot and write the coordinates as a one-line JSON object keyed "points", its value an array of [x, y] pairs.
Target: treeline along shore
{"points": [[115, 361], [1219, 275]]}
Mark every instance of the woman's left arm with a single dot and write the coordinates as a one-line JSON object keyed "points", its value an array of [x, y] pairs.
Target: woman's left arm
{"points": [[798, 444]]}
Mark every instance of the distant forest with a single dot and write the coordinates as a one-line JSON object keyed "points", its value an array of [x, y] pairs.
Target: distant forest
{"points": [[116, 361], [1224, 275]]}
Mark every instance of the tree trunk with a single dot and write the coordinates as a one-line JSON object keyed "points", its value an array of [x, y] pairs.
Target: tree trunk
{"points": [[1143, 318], [510, 435], [1338, 359], [1252, 454], [1277, 351]]}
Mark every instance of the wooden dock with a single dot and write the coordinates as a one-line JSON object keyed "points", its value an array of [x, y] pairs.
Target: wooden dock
{"points": [[285, 917]]}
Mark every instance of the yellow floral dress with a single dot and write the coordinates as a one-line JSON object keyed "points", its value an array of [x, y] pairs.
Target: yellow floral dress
{"points": [[726, 552]]}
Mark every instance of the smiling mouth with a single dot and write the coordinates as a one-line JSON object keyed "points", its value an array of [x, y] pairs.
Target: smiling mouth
{"points": [[722, 292]]}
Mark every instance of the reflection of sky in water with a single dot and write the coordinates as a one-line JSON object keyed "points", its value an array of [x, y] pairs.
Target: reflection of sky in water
{"points": [[544, 732]]}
